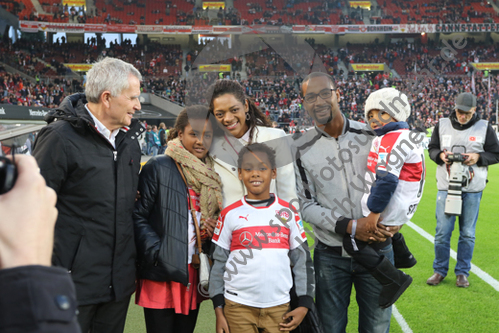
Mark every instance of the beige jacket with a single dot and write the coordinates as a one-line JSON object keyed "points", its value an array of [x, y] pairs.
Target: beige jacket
{"points": [[224, 151]]}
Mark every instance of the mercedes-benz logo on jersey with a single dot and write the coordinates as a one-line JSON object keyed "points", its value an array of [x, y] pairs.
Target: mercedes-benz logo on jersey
{"points": [[246, 238]]}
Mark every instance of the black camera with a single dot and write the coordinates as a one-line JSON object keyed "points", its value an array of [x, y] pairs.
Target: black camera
{"points": [[456, 157], [8, 175]]}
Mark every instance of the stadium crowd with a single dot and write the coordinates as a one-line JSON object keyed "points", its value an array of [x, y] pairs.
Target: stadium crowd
{"points": [[269, 79], [277, 12]]}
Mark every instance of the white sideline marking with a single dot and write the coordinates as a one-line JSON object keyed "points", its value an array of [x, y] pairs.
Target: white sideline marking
{"points": [[403, 324], [474, 269]]}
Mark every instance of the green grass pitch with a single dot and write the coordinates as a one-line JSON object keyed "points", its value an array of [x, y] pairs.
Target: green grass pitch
{"points": [[444, 308]]}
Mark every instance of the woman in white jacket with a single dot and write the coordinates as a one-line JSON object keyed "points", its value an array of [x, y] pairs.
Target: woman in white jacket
{"points": [[243, 123]]}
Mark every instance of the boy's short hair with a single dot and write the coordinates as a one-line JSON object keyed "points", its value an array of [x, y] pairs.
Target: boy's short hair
{"points": [[254, 148]]}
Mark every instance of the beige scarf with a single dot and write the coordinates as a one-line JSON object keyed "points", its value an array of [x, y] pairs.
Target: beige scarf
{"points": [[201, 177]]}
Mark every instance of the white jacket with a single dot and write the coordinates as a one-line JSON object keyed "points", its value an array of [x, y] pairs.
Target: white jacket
{"points": [[224, 151]]}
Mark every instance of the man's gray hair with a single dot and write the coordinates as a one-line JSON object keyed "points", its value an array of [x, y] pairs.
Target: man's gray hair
{"points": [[108, 74]]}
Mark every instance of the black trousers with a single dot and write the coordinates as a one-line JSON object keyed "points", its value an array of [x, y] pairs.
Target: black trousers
{"points": [[104, 317], [167, 321]]}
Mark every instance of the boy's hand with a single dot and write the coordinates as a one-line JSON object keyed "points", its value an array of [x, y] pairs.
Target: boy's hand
{"points": [[222, 326], [296, 317], [392, 229]]}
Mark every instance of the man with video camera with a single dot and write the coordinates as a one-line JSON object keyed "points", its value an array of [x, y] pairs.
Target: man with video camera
{"points": [[463, 146]]}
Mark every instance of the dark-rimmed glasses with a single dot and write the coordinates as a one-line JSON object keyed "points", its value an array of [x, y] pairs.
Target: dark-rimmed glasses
{"points": [[324, 94]]}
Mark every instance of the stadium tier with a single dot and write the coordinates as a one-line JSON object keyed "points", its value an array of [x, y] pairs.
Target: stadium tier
{"points": [[171, 40], [268, 79], [276, 12], [421, 11]]}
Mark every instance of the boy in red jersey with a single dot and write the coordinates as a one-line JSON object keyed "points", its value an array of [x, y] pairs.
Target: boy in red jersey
{"points": [[259, 242]]}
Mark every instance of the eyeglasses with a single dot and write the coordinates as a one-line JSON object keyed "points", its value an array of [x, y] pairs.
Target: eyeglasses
{"points": [[324, 94]]}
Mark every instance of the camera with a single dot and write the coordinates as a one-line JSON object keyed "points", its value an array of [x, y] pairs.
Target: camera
{"points": [[459, 176], [8, 175], [456, 157]]}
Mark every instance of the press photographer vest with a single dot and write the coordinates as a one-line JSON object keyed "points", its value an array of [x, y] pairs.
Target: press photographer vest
{"points": [[473, 139]]}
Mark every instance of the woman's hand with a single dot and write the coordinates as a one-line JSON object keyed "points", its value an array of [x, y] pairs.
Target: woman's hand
{"points": [[293, 318]]}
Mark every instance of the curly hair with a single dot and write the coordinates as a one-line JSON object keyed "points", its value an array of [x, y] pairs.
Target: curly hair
{"points": [[254, 148]]}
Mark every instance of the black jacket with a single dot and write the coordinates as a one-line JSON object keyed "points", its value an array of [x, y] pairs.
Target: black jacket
{"points": [[489, 156], [96, 187], [161, 222], [37, 299]]}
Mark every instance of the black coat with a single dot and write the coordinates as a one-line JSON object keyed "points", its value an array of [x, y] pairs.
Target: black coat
{"points": [[37, 299], [161, 220], [96, 187]]}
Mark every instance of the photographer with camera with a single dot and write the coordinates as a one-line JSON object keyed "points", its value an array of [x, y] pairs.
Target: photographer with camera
{"points": [[467, 172], [34, 297]]}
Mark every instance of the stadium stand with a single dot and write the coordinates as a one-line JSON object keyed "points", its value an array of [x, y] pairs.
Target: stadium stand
{"points": [[270, 12], [449, 11], [272, 82]]}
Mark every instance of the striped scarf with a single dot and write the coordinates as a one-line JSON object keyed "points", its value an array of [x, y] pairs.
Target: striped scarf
{"points": [[201, 177]]}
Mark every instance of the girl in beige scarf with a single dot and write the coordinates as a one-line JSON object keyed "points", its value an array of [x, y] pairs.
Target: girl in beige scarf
{"points": [[196, 164], [167, 284]]}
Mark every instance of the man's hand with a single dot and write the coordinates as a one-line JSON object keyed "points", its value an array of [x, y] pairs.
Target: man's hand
{"points": [[27, 218], [210, 225], [372, 221], [443, 157], [293, 318], [471, 158], [362, 232], [222, 326]]}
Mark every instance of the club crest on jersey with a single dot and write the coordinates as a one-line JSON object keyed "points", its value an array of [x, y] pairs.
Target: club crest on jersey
{"points": [[283, 214]]}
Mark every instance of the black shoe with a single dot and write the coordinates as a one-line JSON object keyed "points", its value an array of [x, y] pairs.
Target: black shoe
{"points": [[394, 282], [402, 256]]}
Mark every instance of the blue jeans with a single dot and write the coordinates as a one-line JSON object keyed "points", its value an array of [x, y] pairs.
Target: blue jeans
{"points": [[445, 226], [153, 150], [334, 276]]}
